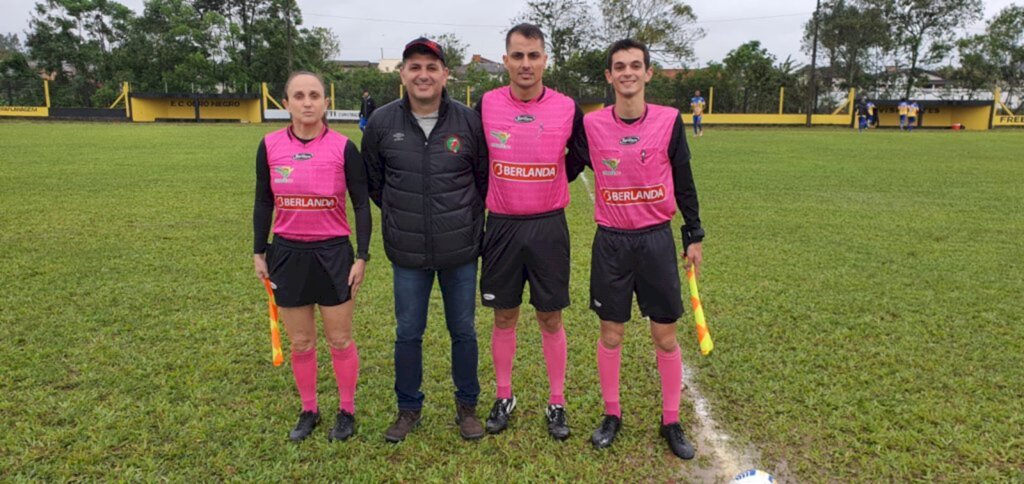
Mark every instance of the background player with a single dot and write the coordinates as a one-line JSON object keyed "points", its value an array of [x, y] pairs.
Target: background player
{"points": [[912, 110], [697, 106], [862, 114], [903, 107]]}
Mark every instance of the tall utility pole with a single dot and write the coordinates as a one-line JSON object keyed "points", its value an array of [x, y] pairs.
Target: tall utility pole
{"points": [[288, 33], [812, 102]]}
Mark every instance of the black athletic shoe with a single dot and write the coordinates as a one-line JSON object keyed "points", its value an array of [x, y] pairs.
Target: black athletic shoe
{"points": [[558, 423], [677, 441], [307, 422], [605, 434], [344, 426], [500, 413]]}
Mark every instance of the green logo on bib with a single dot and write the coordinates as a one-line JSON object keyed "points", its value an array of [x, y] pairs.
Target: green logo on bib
{"points": [[613, 167]]}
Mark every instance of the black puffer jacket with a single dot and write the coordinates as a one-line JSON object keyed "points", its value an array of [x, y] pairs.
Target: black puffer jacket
{"points": [[430, 191]]}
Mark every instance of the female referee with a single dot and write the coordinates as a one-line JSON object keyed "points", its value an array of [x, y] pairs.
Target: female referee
{"points": [[303, 172]]}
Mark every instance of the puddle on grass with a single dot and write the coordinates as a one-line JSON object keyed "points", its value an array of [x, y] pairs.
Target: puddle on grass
{"points": [[719, 458]]}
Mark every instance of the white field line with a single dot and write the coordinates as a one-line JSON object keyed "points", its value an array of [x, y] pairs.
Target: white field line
{"points": [[590, 189], [726, 461]]}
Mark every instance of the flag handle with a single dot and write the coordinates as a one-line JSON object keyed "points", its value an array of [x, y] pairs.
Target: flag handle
{"points": [[275, 331]]}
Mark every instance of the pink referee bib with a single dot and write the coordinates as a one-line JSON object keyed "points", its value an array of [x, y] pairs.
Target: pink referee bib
{"points": [[632, 171], [526, 142], [308, 182]]}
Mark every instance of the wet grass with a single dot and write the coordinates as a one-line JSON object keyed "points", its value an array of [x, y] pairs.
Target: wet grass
{"points": [[863, 292]]}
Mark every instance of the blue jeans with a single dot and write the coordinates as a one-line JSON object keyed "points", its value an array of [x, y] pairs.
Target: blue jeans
{"points": [[362, 123], [412, 294]]}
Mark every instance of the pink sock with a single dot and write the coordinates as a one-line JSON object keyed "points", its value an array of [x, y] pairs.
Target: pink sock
{"points": [[346, 373], [670, 366], [608, 362], [555, 356], [503, 350], [304, 369]]}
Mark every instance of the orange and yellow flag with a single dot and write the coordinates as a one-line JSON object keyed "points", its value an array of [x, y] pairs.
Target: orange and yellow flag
{"points": [[703, 335], [275, 332]]}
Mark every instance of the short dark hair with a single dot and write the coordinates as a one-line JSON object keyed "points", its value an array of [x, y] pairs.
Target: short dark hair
{"points": [[529, 31], [626, 44]]}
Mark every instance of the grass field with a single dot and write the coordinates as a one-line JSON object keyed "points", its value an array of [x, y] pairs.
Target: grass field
{"points": [[864, 292]]}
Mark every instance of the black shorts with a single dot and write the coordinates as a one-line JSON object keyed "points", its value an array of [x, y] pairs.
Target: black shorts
{"points": [[307, 273], [635, 261], [532, 248]]}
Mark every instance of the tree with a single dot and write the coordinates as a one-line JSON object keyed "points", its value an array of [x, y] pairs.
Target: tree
{"points": [[976, 70], [752, 67], [567, 24], [1006, 46], [921, 30], [312, 48], [181, 41], [847, 33], [454, 48], [349, 85], [19, 84], [581, 76], [478, 80], [74, 40], [668, 27], [9, 44]]}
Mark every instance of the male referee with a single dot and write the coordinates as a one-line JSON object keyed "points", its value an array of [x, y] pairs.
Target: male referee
{"points": [[528, 128], [643, 176]]}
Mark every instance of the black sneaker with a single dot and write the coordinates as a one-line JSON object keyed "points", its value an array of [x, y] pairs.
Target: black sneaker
{"points": [[307, 422], [605, 434], [677, 441], [406, 421], [500, 413], [344, 426], [558, 423]]}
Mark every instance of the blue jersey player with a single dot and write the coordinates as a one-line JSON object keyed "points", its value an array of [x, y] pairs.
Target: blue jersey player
{"points": [[697, 106]]}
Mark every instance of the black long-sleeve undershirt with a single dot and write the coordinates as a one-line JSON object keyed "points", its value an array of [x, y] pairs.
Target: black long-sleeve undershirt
{"points": [[356, 185], [685, 187]]}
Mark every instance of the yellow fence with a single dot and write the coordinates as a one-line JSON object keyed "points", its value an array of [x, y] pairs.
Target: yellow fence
{"points": [[30, 111], [837, 118], [25, 111], [1002, 116], [970, 115], [834, 119], [778, 119], [125, 98], [149, 107], [1003, 120]]}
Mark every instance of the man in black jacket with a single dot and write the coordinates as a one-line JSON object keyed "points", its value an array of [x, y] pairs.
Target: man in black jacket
{"points": [[426, 162], [366, 108]]}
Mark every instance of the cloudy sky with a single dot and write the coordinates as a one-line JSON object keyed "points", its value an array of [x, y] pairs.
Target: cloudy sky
{"points": [[368, 30]]}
